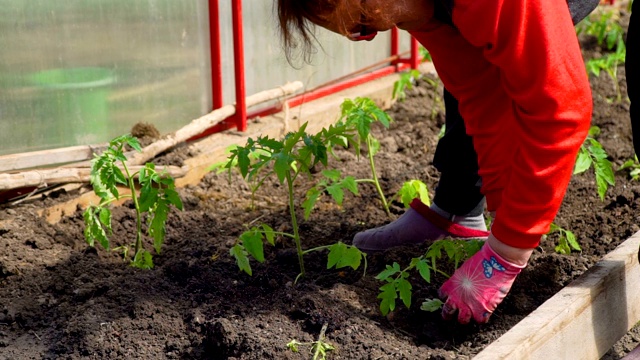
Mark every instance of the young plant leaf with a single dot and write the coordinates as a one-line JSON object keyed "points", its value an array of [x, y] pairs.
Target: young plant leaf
{"points": [[238, 252], [432, 305], [413, 189], [143, 260], [342, 255], [388, 296], [423, 269], [389, 271], [156, 227], [252, 242], [404, 289], [269, 234]]}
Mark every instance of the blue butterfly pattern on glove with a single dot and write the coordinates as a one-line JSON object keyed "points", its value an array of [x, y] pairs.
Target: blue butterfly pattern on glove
{"points": [[490, 265]]}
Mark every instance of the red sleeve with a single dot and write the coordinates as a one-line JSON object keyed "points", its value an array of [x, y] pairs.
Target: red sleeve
{"points": [[515, 67]]}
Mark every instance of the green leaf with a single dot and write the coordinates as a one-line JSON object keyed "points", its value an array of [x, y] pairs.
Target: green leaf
{"points": [[118, 175], [252, 241], [404, 289], [374, 145], [424, 270], [156, 227], [173, 198], [269, 234], [88, 224], [93, 228], [336, 251], [341, 255], [388, 296], [604, 168], [628, 164], [282, 166], [243, 160], [571, 238], [336, 193], [432, 305], [413, 189], [583, 162], [134, 143], [143, 260], [242, 259], [350, 184], [332, 174], [293, 345], [105, 219], [389, 271], [148, 198], [312, 197]]}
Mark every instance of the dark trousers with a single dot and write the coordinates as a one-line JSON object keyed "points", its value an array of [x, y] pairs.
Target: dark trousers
{"points": [[458, 190], [633, 73]]}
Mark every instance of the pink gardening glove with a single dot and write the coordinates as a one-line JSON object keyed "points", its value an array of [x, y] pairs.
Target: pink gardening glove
{"points": [[478, 286]]}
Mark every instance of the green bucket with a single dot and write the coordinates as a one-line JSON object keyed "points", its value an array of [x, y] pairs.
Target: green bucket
{"points": [[77, 102]]}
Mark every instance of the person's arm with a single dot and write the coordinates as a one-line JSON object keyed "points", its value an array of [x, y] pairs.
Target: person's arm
{"points": [[516, 68]]}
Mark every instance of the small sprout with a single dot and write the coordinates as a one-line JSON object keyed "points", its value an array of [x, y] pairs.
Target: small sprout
{"points": [[396, 279], [633, 165], [406, 81], [431, 305], [319, 348], [566, 240], [592, 153], [413, 189]]}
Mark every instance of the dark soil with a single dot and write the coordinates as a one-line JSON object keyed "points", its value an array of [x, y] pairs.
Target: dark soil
{"points": [[60, 299]]}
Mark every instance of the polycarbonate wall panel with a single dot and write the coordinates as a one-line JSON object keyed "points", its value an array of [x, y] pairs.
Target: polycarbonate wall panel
{"points": [[266, 66], [76, 72], [84, 71]]}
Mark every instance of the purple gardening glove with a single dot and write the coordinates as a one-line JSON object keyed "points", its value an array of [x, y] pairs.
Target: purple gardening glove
{"points": [[478, 286]]}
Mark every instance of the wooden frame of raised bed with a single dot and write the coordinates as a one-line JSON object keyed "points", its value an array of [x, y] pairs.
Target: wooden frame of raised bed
{"points": [[585, 318]]}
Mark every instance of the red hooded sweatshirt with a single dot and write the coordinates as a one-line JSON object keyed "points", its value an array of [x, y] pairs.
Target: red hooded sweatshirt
{"points": [[516, 68]]}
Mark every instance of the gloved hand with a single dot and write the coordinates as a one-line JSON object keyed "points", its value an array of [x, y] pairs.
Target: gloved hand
{"points": [[478, 286]]}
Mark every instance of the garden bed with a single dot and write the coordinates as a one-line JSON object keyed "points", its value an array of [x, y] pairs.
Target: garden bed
{"points": [[62, 299]]}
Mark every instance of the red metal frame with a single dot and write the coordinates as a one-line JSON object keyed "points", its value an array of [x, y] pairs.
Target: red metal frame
{"points": [[239, 120], [238, 46], [216, 53]]}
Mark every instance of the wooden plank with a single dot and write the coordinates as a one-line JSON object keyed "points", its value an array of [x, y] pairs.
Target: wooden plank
{"points": [[48, 157], [585, 318], [62, 175], [199, 125]]}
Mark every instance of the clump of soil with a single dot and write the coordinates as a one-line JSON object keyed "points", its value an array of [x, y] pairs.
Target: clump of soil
{"points": [[145, 132], [60, 299]]}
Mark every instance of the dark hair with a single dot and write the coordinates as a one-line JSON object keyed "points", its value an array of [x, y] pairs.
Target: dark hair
{"points": [[296, 24], [297, 32]]}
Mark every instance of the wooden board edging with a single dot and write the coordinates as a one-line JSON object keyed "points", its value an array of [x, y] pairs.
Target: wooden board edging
{"points": [[585, 319]]}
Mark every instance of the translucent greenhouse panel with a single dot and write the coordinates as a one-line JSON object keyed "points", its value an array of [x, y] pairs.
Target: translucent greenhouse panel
{"points": [[84, 71], [266, 65]]}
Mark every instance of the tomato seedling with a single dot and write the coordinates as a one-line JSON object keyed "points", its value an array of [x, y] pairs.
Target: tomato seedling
{"points": [[287, 159], [566, 240], [157, 195], [406, 82], [609, 34], [592, 153], [358, 115], [633, 166], [397, 279], [319, 348]]}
